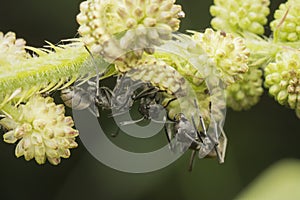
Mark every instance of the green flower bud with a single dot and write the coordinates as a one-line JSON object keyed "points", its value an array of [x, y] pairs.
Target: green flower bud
{"points": [[282, 77], [115, 27], [240, 15], [286, 23], [228, 54], [193, 64], [42, 130], [245, 93]]}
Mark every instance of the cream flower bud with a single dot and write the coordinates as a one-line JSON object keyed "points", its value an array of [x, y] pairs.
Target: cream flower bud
{"points": [[282, 77], [42, 130], [127, 24], [228, 53], [240, 15], [12, 50]]}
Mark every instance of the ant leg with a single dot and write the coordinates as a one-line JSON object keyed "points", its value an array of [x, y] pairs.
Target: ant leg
{"points": [[107, 90], [218, 154], [205, 133], [170, 101], [146, 92], [125, 123], [195, 127], [201, 120], [216, 146], [168, 132], [107, 93], [223, 145], [191, 162], [116, 133]]}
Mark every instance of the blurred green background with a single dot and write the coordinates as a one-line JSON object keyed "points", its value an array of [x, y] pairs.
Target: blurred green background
{"points": [[257, 138]]}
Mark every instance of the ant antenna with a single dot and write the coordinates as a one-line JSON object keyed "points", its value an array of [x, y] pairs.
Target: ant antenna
{"points": [[215, 146], [195, 127], [201, 119]]}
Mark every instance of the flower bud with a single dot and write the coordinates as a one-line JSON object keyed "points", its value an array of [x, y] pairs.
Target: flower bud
{"points": [[229, 54], [38, 136], [240, 15], [116, 18], [12, 50], [282, 77], [286, 23], [245, 93]]}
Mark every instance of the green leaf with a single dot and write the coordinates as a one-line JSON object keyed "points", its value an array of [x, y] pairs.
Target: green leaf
{"points": [[280, 181]]}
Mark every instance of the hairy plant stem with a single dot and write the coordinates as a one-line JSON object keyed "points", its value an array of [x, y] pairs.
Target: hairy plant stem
{"points": [[47, 72]]}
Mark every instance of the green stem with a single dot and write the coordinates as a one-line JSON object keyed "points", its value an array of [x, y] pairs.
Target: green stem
{"points": [[47, 72], [262, 51]]}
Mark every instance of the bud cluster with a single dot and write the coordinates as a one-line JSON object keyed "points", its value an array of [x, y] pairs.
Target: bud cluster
{"points": [[240, 15], [282, 77], [115, 27], [286, 23], [41, 130], [245, 93], [12, 50], [229, 55]]}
